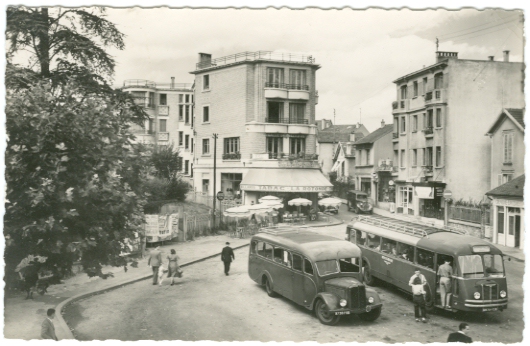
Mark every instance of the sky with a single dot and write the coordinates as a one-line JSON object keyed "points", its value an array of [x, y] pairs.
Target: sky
{"points": [[360, 51]]}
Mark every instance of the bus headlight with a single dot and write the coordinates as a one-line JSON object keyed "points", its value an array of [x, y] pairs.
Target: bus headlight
{"points": [[371, 300], [503, 294], [476, 295], [343, 302]]}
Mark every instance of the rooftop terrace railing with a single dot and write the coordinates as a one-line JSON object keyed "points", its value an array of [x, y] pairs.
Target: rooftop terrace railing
{"points": [[254, 56], [143, 83]]}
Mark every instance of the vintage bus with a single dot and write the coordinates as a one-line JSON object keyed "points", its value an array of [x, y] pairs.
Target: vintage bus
{"points": [[319, 272], [392, 249]]}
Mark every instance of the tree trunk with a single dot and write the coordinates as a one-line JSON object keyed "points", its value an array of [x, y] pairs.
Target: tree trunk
{"points": [[43, 45]]}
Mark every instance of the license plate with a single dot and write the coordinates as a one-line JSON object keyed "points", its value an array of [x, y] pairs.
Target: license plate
{"points": [[342, 313], [490, 309]]}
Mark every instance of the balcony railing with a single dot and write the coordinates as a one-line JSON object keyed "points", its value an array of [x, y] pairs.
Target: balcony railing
{"points": [[386, 167], [395, 135], [428, 96], [232, 156], [285, 120], [427, 168], [394, 105], [287, 86], [254, 56], [139, 83], [428, 130]]}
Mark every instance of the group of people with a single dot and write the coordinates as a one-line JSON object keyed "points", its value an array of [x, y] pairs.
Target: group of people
{"points": [[173, 268]]}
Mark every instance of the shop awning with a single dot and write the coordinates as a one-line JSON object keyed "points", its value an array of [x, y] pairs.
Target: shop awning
{"points": [[285, 180], [424, 192]]}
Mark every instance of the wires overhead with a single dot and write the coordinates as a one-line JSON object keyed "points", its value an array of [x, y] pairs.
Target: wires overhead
{"points": [[483, 31]]}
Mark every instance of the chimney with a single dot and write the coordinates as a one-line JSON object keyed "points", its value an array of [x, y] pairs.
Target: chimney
{"points": [[491, 58], [382, 123], [440, 56], [205, 60], [506, 54], [172, 83]]}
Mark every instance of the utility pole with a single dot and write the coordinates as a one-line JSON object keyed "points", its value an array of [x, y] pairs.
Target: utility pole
{"points": [[214, 174]]}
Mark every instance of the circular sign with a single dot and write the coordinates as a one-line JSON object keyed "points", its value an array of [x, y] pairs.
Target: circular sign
{"points": [[448, 194], [391, 182], [220, 195]]}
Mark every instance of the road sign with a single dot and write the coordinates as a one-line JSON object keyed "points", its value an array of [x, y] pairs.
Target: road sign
{"points": [[448, 194], [220, 195]]}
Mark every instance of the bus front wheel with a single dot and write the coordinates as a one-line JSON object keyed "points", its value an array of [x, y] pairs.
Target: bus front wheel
{"points": [[324, 315], [268, 288], [369, 279]]}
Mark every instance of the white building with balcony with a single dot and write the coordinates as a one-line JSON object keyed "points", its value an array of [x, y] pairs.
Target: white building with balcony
{"points": [[170, 110], [261, 105]]}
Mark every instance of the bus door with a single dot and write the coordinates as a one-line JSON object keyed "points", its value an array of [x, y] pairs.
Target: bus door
{"points": [[281, 271], [425, 260], [303, 287], [440, 260]]}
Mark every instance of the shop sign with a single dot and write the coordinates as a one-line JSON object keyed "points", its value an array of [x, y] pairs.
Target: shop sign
{"points": [[279, 188], [439, 191], [298, 164], [220, 195]]}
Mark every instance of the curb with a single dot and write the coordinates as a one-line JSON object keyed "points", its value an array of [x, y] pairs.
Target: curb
{"points": [[61, 323]]}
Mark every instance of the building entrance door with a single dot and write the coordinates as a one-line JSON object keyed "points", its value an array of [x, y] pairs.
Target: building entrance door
{"points": [[406, 201], [514, 227]]}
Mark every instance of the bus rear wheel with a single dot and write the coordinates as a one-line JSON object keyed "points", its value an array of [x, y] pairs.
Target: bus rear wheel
{"points": [[371, 315], [268, 288], [369, 279], [324, 315]]}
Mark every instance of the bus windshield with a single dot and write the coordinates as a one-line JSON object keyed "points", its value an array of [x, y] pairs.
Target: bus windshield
{"points": [[476, 266], [346, 265]]}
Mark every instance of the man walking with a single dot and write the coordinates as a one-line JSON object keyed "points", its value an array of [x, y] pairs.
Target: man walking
{"points": [[155, 260], [227, 256], [445, 271], [460, 336], [417, 281], [47, 328]]}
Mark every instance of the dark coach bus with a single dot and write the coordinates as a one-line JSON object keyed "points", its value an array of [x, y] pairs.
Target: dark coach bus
{"points": [[391, 249], [319, 272]]}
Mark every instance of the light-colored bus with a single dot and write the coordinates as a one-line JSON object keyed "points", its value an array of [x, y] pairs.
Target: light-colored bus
{"points": [[319, 272], [392, 249]]}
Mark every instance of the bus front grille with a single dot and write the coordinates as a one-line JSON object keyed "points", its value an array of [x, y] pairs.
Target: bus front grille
{"points": [[490, 291], [358, 297]]}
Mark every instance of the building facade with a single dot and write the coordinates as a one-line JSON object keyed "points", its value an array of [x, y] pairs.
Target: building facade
{"points": [[170, 110], [261, 107], [440, 117]]}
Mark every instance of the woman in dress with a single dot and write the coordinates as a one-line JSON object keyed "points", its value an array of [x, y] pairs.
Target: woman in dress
{"points": [[173, 266]]}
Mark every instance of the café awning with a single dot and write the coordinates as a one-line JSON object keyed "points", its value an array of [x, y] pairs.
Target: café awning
{"points": [[285, 180]]}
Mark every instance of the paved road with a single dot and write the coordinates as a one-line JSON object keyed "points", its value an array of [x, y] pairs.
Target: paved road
{"points": [[207, 305]]}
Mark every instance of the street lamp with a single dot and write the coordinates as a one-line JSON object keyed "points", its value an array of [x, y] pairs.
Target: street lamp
{"points": [[214, 136]]}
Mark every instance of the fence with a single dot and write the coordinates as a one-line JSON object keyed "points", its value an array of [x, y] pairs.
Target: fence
{"points": [[201, 198], [473, 215]]}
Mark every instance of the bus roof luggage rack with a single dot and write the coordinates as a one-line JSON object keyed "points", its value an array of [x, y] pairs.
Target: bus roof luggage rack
{"points": [[279, 229], [407, 228]]}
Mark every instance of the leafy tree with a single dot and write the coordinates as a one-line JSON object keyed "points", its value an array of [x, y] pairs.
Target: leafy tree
{"points": [[167, 163]]}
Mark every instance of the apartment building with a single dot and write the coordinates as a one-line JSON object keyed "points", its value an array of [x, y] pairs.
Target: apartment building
{"points": [[440, 116], [261, 106], [170, 110]]}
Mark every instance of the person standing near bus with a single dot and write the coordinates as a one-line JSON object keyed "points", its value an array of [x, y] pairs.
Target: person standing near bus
{"points": [[445, 271], [417, 281]]}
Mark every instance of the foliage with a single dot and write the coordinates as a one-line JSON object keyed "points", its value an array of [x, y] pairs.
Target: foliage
{"points": [[470, 203], [166, 161], [342, 184]]}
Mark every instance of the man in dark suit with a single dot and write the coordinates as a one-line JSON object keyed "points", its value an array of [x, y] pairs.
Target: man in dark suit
{"points": [[460, 336], [227, 256], [155, 260], [48, 329]]}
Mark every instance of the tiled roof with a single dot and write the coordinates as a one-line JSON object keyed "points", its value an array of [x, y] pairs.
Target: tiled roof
{"points": [[513, 188], [517, 114], [374, 136], [339, 133]]}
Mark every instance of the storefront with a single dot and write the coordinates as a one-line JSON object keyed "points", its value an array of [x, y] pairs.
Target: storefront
{"points": [[286, 184], [420, 199]]}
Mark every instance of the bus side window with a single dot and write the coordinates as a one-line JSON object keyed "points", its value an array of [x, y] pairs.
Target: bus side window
{"points": [[374, 242], [405, 251], [308, 268], [267, 250], [254, 247], [389, 246], [297, 262], [260, 248], [426, 258], [360, 237]]}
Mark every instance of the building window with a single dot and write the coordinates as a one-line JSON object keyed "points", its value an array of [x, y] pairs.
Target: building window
{"points": [[181, 138], [274, 77], [403, 123], [187, 142], [396, 157], [297, 79], [439, 157], [424, 86], [504, 178], [205, 146], [231, 145], [297, 145], [439, 81], [500, 220], [402, 159], [414, 157], [187, 114], [403, 93], [151, 102], [206, 114], [163, 99], [367, 157], [181, 98], [414, 123], [296, 113], [181, 112], [191, 170], [186, 166], [415, 88], [191, 145], [429, 119], [428, 156], [507, 140], [206, 82], [151, 128], [438, 117], [274, 112], [162, 125], [187, 98], [274, 147], [230, 184]]}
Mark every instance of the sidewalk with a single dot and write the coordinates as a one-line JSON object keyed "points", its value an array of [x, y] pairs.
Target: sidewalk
{"points": [[23, 318]]}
